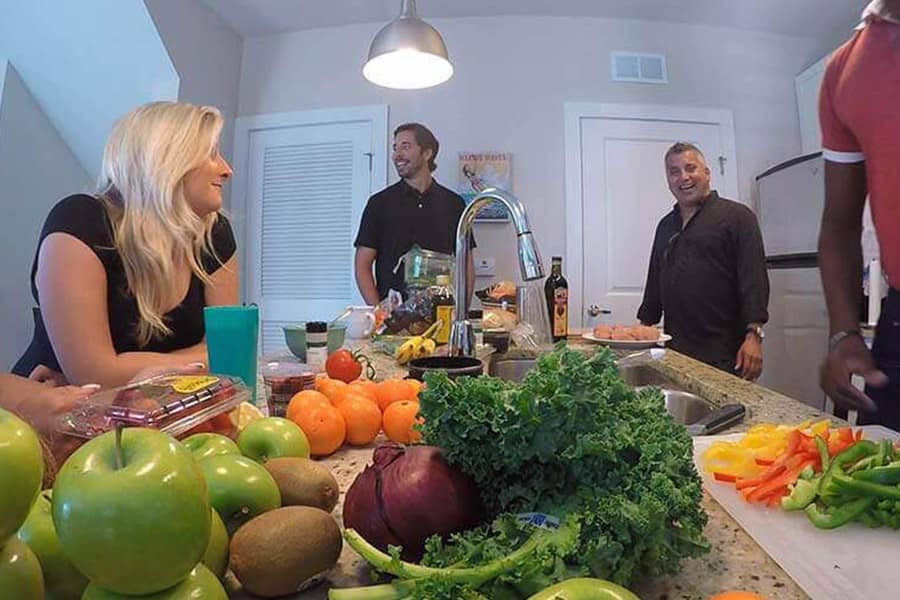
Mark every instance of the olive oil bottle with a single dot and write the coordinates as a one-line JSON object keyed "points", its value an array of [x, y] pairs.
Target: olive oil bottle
{"points": [[556, 289]]}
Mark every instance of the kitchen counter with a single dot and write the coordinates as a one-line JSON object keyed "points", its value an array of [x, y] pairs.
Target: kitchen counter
{"points": [[735, 561]]}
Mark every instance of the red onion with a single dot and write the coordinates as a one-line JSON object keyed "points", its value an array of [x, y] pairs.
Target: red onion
{"points": [[409, 494]]}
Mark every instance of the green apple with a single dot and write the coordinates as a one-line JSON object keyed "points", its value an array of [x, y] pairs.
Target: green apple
{"points": [[272, 437], [21, 471], [200, 584], [62, 581], [216, 556], [133, 517], [20, 572], [204, 445], [239, 488]]}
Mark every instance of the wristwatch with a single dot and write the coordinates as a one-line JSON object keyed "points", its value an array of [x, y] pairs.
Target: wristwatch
{"points": [[757, 330]]}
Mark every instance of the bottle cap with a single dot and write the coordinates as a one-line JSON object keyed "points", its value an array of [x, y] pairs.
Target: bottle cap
{"points": [[316, 327]]}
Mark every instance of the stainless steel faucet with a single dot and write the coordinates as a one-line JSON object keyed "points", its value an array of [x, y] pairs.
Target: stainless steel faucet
{"points": [[462, 339]]}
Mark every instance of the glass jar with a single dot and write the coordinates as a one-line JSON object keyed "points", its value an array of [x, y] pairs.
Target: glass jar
{"points": [[282, 381]]}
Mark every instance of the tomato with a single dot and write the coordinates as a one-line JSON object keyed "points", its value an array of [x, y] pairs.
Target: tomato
{"points": [[347, 366]]}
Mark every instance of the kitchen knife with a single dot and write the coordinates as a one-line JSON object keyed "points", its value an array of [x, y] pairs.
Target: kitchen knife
{"points": [[717, 420]]}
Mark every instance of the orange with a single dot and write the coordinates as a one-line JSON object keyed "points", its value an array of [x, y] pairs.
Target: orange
{"points": [[324, 427], [365, 387], [351, 394], [393, 390], [737, 595], [329, 387], [398, 420], [303, 401], [415, 384], [363, 420]]}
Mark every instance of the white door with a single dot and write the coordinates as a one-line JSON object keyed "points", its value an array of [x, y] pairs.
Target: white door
{"points": [[617, 194], [307, 185]]}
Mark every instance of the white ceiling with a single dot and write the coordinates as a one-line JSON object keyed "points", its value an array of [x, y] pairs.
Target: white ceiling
{"points": [[802, 18]]}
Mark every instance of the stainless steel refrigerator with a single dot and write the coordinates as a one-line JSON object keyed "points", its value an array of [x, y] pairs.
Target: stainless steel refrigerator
{"points": [[791, 197]]}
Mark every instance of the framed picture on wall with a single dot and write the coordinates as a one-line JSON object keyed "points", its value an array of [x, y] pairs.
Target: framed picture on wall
{"points": [[478, 171]]}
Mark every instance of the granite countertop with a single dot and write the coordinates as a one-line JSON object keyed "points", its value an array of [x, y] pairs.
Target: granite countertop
{"points": [[735, 561]]}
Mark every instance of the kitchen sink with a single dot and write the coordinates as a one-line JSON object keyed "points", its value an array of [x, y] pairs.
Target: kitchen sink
{"points": [[645, 375], [515, 369], [511, 369], [686, 408]]}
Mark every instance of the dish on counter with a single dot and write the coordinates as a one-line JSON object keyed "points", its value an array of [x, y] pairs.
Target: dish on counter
{"points": [[627, 336], [502, 291]]}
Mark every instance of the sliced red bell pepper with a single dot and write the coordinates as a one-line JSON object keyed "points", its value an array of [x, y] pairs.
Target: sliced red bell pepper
{"points": [[770, 473], [765, 462], [728, 477], [845, 434], [775, 497], [781, 481]]}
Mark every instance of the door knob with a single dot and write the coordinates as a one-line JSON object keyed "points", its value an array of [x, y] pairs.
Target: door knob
{"points": [[596, 311]]}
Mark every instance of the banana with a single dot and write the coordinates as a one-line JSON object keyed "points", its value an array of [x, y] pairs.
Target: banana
{"points": [[418, 346], [426, 348]]}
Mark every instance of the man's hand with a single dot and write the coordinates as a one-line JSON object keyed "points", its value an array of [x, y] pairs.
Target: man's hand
{"points": [[850, 357], [749, 361]]}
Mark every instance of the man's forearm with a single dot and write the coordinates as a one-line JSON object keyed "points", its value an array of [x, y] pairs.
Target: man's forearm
{"points": [[367, 289], [840, 263], [840, 247]]}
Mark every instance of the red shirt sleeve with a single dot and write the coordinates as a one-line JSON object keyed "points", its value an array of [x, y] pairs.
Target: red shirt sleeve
{"points": [[839, 144]]}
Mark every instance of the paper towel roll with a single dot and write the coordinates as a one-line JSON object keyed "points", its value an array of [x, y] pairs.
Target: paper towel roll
{"points": [[874, 291]]}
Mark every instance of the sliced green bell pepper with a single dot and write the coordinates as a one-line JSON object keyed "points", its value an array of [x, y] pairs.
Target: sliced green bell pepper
{"points": [[865, 488], [802, 495], [889, 475], [840, 515]]}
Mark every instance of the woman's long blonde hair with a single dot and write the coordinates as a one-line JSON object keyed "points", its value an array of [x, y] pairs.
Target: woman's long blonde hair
{"points": [[148, 153]]}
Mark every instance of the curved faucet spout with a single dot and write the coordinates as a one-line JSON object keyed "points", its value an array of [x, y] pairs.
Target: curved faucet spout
{"points": [[461, 338]]}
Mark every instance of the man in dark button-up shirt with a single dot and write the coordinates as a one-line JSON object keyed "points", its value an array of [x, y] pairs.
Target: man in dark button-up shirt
{"points": [[415, 210], [707, 271]]}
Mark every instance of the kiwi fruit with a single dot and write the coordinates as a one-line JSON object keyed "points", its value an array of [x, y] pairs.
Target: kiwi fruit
{"points": [[304, 482], [274, 553]]}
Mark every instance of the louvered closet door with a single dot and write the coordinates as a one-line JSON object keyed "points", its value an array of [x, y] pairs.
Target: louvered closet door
{"points": [[307, 188]]}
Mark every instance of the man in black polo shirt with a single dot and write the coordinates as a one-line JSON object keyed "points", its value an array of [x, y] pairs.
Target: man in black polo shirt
{"points": [[415, 210], [707, 271]]}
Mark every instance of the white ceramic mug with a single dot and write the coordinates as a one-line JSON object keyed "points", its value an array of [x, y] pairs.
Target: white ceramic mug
{"points": [[360, 322]]}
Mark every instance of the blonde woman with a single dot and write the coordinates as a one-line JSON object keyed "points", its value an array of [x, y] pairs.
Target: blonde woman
{"points": [[121, 278]]}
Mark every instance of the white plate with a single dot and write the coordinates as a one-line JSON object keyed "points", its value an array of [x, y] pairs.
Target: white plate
{"points": [[628, 344]]}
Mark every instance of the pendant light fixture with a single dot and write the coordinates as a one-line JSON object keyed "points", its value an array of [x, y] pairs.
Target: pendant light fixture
{"points": [[408, 53]]}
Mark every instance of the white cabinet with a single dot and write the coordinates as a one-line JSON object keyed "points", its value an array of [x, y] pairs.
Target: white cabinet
{"points": [[796, 335], [807, 85]]}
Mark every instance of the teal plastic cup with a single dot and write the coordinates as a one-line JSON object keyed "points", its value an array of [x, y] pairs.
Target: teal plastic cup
{"points": [[232, 336]]}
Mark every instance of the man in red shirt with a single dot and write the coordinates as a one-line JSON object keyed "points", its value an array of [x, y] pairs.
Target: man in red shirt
{"points": [[859, 110]]}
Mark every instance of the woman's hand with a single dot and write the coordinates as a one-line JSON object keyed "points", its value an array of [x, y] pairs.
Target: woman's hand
{"points": [[48, 402], [44, 374]]}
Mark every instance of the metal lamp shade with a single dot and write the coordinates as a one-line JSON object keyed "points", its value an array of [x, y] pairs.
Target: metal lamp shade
{"points": [[408, 54]]}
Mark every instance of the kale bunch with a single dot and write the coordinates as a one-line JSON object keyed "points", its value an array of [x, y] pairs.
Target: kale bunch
{"points": [[575, 442]]}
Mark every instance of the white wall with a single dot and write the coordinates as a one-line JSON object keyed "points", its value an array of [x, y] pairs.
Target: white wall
{"points": [[36, 170], [513, 75], [207, 55], [86, 63]]}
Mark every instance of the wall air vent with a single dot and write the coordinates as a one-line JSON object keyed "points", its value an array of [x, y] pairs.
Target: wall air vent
{"points": [[640, 68]]}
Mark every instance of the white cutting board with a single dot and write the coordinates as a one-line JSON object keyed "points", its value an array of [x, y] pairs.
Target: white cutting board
{"points": [[850, 562]]}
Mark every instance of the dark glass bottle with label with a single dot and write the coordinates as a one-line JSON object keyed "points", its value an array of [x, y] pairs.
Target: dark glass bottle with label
{"points": [[557, 291]]}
